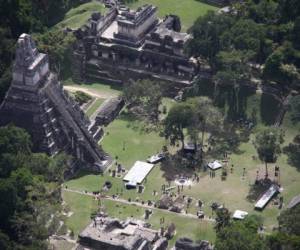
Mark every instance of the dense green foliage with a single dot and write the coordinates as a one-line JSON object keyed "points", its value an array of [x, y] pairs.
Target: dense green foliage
{"points": [[81, 97], [240, 235], [27, 16], [30, 187], [257, 39], [144, 96], [288, 235], [197, 116], [267, 143]]}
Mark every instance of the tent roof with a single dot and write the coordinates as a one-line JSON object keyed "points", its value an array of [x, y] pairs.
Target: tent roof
{"points": [[239, 214], [138, 172], [214, 165]]}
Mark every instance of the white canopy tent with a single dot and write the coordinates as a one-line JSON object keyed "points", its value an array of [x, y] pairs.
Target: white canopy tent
{"points": [[214, 165], [266, 197], [239, 214], [138, 172]]}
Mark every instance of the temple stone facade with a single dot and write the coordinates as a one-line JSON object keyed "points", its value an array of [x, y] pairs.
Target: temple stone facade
{"points": [[124, 44], [37, 102]]}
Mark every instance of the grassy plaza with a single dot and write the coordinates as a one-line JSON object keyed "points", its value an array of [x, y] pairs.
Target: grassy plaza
{"points": [[127, 141]]}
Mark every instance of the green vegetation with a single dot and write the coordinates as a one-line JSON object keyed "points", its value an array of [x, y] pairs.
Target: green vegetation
{"points": [[78, 16], [262, 33], [81, 207], [145, 97], [240, 235], [188, 11], [30, 187], [233, 192], [26, 16], [81, 97], [267, 143], [94, 107], [128, 133]]}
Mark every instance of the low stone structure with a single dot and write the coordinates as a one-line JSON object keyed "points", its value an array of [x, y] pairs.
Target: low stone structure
{"points": [[37, 102], [188, 244], [124, 44], [106, 233], [109, 110]]}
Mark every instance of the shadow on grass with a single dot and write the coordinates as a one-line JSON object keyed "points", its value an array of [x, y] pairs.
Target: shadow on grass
{"points": [[176, 165], [293, 153], [81, 172], [138, 123], [258, 189]]}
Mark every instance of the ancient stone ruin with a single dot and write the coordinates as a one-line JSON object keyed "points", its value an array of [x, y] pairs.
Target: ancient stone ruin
{"points": [[124, 44], [37, 102], [109, 110], [188, 244], [109, 233]]}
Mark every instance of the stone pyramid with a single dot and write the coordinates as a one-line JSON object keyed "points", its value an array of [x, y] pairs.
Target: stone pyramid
{"points": [[37, 102]]}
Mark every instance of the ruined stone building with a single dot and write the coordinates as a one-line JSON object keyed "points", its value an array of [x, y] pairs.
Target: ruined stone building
{"points": [[37, 102], [125, 44], [109, 110], [188, 244], [106, 233]]}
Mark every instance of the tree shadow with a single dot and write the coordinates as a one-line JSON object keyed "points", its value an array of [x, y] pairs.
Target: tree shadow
{"points": [[293, 153], [258, 189], [269, 109], [138, 123], [173, 167]]}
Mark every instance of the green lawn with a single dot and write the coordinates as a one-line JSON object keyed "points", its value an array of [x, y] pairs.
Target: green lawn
{"points": [[76, 17], [187, 10], [82, 206], [232, 192], [128, 132], [94, 106]]}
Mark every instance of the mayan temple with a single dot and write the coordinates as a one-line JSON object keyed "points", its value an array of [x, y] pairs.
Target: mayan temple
{"points": [[37, 102]]}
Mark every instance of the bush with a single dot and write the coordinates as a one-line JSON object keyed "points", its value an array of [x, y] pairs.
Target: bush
{"points": [[81, 97]]}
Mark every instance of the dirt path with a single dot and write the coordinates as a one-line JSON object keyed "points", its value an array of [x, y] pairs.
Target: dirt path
{"points": [[139, 204], [92, 92]]}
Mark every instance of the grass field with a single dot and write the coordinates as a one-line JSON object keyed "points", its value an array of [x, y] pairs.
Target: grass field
{"points": [[81, 206], [139, 144], [94, 106], [195, 229], [187, 10], [76, 17]]}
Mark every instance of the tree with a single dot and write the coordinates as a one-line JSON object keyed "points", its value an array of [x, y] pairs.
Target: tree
{"points": [[240, 235], [295, 108], [145, 95], [207, 31], [267, 143], [293, 152], [179, 118], [288, 234], [206, 118], [289, 221], [15, 148], [81, 97], [222, 219], [30, 186]]}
